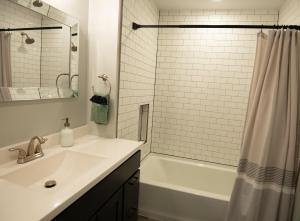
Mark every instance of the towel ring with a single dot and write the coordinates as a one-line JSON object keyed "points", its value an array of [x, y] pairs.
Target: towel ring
{"points": [[104, 77]]}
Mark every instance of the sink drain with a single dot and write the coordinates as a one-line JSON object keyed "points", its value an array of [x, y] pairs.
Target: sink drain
{"points": [[50, 184]]}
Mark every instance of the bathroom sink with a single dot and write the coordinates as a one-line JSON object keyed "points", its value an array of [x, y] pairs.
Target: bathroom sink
{"points": [[64, 168]]}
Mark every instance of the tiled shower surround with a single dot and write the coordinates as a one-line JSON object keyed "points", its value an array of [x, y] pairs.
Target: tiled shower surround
{"points": [[202, 80], [138, 62]]}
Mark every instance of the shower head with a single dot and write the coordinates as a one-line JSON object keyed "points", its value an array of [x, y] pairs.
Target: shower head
{"points": [[37, 3], [28, 40], [73, 47]]}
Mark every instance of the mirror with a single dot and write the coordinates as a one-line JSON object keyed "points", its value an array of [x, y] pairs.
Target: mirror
{"points": [[39, 51]]}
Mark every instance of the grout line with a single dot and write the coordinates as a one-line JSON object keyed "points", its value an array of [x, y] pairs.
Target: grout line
{"points": [[155, 75], [120, 27]]}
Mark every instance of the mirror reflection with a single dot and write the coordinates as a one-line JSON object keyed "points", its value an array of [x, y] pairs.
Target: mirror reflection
{"points": [[38, 52]]}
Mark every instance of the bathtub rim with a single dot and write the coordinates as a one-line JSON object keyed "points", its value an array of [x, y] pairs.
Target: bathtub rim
{"points": [[183, 189], [207, 164]]}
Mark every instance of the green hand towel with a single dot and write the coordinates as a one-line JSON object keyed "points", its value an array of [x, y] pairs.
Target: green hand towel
{"points": [[99, 112]]}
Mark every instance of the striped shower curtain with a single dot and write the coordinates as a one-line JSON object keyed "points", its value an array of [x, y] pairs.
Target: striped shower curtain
{"points": [[267, 173]]}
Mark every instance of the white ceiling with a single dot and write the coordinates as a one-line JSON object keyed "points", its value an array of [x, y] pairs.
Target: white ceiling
{"points": [[219, 4]]}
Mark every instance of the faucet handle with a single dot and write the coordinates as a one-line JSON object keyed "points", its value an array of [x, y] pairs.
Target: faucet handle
{"points": [[22, 153]]}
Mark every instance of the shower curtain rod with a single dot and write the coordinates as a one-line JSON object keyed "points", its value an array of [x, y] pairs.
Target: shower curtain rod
{"points": [[136, 26], [30, 29]]}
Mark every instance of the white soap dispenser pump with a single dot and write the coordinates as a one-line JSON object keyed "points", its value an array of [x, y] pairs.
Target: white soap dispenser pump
{"points": [[66, 135]]}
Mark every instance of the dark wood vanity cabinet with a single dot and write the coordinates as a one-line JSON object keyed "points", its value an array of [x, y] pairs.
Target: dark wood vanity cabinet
{"points": [[131, 197], [112, 210], [115, 198]]}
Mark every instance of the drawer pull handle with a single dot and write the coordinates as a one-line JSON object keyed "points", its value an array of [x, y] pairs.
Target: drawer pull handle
{"points": [[133, 180]]}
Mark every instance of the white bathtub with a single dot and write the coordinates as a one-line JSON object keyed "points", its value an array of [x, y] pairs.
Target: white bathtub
{"points": [[186, 190]]}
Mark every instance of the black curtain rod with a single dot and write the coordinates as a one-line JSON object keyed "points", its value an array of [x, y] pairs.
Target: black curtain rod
{"points": [[136, 26], [30, 29]]}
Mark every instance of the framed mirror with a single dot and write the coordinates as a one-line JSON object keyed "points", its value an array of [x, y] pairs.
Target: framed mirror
{"points": [[39, 51]]}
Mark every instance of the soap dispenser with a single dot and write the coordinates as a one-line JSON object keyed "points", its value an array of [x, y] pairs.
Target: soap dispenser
{"points": [[66, 135]]}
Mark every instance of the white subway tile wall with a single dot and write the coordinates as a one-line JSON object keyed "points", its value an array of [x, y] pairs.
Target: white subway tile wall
{"points": [[55, 56], [138, 62], [202, 83], [25, 58], [290, 13]]}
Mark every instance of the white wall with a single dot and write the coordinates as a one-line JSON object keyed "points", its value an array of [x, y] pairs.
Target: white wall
{"points": [[290, 13], [21, 120], [104, 36], [202, 83], [138, 64]]}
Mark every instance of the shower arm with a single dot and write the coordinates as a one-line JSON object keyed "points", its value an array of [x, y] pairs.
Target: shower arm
{"points": [[25, 34]]}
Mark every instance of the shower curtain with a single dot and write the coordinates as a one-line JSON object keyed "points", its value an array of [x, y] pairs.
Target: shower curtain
{"points": [[267, 173], [5, 60]]}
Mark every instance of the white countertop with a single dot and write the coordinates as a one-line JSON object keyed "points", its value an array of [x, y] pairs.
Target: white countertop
{"points": [[28, 204]]}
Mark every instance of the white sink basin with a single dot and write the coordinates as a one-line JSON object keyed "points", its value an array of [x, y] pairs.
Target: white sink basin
{"points": [[64, 168]]}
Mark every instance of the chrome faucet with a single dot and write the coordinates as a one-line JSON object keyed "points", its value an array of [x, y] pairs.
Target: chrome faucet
{"points": [[34, 150]]}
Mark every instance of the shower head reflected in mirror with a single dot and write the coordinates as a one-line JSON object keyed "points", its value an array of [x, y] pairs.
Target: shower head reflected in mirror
{"points": [[28, 40], [73, 47], [37, 3]]}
